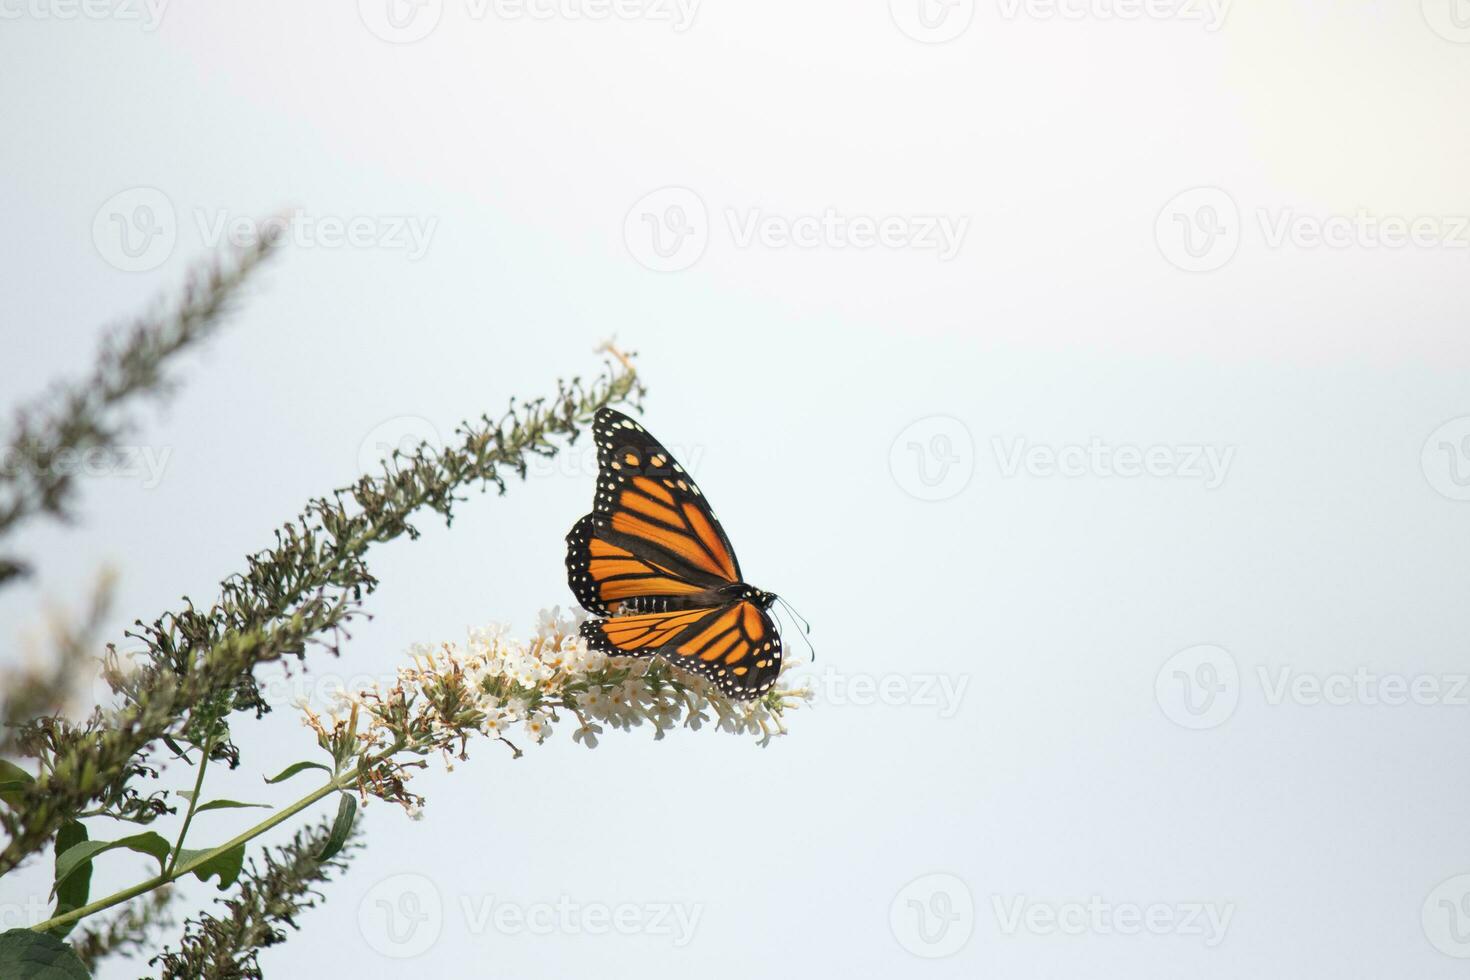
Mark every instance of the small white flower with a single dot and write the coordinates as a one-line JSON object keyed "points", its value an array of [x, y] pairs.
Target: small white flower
{"points": [[538, 726], [587, 734]]}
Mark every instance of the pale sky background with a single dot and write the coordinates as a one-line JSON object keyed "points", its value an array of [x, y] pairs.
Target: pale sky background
{"points": [[874, 425]]}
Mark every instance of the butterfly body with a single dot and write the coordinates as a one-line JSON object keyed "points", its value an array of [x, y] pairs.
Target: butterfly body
{"points": [[669, 603], [654, 562]]}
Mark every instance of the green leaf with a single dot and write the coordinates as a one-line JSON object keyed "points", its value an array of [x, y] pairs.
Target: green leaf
{"points": [[80, 855], [226, 864], [71, 894], [231, 805], [341, 827], [9, 770], [219, 804], [296, 767], [13, 782], [38, 956]]}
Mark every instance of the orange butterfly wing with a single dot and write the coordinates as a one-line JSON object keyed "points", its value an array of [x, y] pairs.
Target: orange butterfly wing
{"points": [[651, 531], [604, 575], [735, 645], [652, 556]]}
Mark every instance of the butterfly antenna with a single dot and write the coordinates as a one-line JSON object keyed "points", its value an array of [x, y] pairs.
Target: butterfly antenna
{"points": [[806, 627]]}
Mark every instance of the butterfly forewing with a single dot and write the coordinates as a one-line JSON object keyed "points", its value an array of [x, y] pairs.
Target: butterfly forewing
{"points": [[648, 496], [604, 575], [651, 532]]}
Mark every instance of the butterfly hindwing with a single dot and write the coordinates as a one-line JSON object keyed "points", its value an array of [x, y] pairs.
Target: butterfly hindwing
{"points": [[735, 645]]}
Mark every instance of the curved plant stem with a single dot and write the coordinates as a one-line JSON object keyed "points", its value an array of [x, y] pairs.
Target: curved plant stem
{"points": [[176, 872], [173, 857]]}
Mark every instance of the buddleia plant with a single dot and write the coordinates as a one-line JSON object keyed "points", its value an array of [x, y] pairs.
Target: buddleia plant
{"points": [[177, 706]]}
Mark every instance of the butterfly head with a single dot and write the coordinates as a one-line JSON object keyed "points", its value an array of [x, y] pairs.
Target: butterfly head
{"points": [[749, 593]]}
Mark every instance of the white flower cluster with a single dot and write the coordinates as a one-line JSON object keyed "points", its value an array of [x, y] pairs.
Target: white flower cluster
{"points": [[512, 689]]}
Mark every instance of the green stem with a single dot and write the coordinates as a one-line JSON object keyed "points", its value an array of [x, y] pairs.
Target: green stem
{"points": [[173, 857], [175, 873]]}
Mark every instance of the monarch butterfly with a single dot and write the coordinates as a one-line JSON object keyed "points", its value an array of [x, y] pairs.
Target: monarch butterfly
{"points": [[654, 562]]}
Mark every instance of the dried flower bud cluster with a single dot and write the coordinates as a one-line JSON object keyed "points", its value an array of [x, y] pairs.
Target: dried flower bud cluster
{"points": [[514, 690]]}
